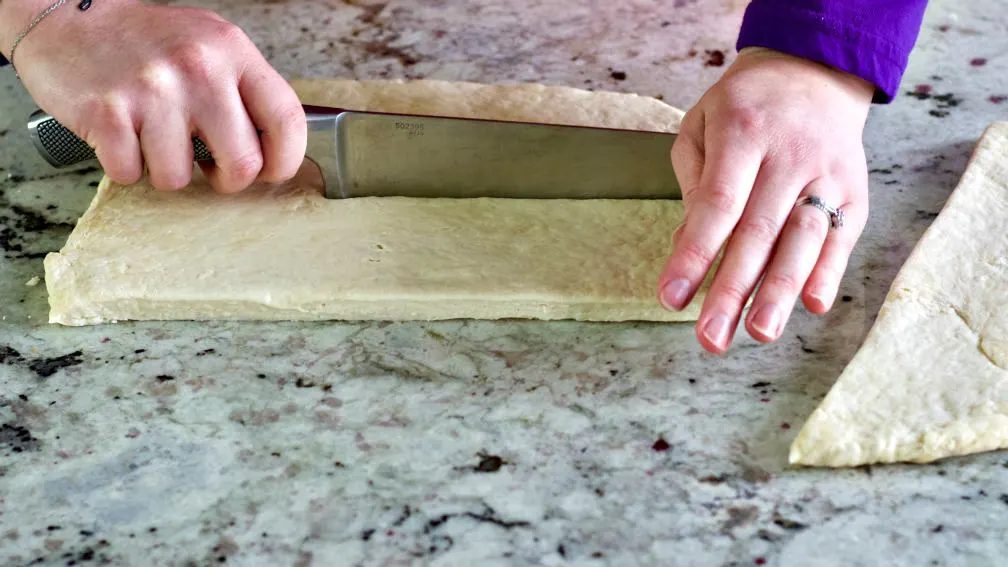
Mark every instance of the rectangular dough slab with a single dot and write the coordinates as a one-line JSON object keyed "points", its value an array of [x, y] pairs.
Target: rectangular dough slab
{"points": [[931, 379], [287, 253]]}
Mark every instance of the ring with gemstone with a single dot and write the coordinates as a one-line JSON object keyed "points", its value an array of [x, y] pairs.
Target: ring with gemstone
{"points": [[836, 215]]}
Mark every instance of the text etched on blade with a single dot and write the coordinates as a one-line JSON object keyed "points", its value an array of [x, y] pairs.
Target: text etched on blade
{"points": [[412, 129]]}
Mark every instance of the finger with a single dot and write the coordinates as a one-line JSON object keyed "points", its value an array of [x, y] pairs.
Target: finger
{"points": [[747, 255], [687, 153], [227, 130], [821, 289], [277, 113], [687, 161], [115, 143], [166, 144], [118, 152], [798, 249], [731, 163]]}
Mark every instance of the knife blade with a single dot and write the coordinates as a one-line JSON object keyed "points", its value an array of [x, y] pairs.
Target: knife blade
{"points": [[368, 154]]}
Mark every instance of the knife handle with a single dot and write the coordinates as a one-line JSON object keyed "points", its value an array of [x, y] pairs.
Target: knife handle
{"points": [[61, 147]]}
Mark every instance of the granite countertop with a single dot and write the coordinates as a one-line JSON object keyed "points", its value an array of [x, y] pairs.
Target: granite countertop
{"points": [[482, 443]]}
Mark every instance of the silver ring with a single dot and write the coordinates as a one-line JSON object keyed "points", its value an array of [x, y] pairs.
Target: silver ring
{"points": [[836, 215]]}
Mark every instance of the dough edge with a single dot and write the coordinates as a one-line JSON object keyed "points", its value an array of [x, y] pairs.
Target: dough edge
{"points": [[857, 422]]}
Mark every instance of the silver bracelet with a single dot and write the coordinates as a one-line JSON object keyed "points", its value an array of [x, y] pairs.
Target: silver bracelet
{"points": [[52, 7]]}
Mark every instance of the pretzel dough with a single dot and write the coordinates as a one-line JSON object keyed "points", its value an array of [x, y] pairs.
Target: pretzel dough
{"points": [[931, 379], [285, 253]]}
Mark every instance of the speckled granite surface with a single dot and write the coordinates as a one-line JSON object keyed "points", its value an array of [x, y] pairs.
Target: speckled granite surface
{"points": [[483, 443]]}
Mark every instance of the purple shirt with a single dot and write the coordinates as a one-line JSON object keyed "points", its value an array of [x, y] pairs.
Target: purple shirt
{"points": [[871, 39]]}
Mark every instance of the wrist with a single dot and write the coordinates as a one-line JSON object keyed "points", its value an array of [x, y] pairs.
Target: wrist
{"points": [[15, 17], [859, 89]]}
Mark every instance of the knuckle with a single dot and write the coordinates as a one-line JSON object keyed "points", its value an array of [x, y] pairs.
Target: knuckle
{"points": [[110, 109], [732, 289], [782, 282], [686, 153], [696, 254], [291, 117], [194, 61], [749, 119], [721, 197], [98, 120], [808, 221], [838, 169], [199, 60], [156, 81], [761, 228], [228, 35], [245, 168]]}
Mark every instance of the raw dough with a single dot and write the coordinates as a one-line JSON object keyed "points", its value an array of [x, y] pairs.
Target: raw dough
{"points": [[931, 379], [287, 253]]}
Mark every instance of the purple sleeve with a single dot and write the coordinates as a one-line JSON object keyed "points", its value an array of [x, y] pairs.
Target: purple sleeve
{"points": [[871, 39]]}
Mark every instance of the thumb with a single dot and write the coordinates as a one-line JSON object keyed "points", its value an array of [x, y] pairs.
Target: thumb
{"points": [[688, 153], [688, 161]]}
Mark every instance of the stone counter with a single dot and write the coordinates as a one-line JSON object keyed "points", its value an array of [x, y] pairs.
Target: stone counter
{"points": [[484, 443]]}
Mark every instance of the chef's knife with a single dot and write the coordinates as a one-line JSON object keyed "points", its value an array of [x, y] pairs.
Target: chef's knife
{"points": [[363, 154]]}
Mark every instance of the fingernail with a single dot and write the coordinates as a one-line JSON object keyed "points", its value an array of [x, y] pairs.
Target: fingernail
{"points": [[821, 294], [674, 294], [716, 330], [766, 321]]}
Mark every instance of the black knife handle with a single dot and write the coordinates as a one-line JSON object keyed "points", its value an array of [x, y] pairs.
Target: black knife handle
{"points": [[61, 147]]}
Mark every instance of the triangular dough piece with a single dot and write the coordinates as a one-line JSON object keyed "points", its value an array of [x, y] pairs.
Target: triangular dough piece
{"points": [[288, 253], [931, 379]]}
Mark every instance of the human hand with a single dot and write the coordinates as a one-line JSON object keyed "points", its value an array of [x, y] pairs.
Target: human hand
{"points": [[137, 81], [774, 129]]}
